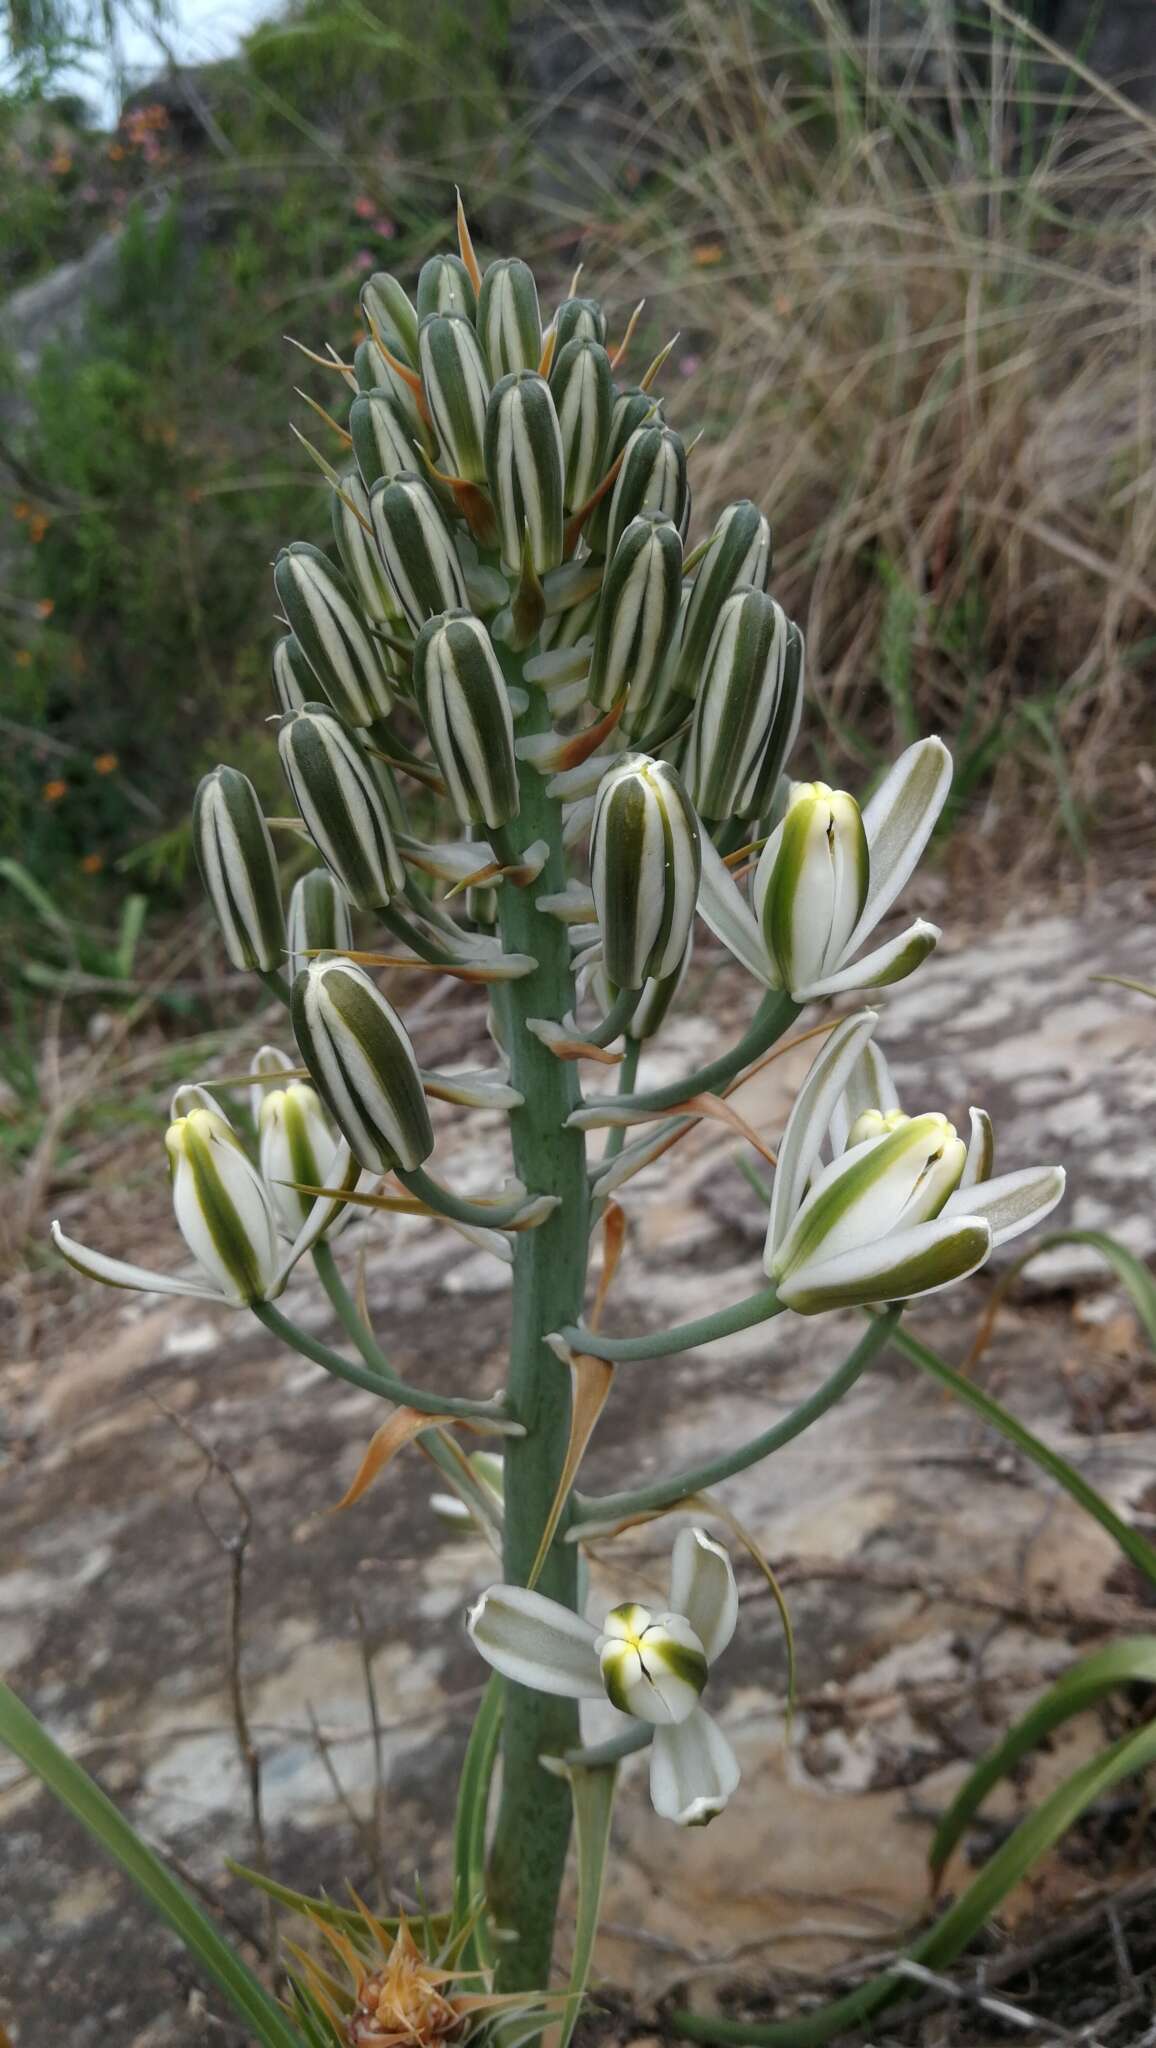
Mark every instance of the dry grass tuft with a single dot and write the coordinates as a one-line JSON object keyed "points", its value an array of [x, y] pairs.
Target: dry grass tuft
{"points": [[921, 284]]}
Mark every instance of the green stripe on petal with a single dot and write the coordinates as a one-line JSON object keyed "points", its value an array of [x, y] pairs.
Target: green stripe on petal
{"points": [[895, 1268]]}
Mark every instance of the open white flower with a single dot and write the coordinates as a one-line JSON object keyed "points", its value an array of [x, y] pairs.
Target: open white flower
{"points": [[826, 878], [650, 1666], [904, 1207]]}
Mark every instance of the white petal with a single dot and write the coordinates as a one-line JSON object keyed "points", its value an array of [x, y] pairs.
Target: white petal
{"points": [[899, 821], [893, 961], [702, 1586], [980, 1149], [808, 1122], [869, 1086], [724, 911], [693, 1771], [537, 1642], [918, 1261], [323, 1210], [118, 1273], [1012, 1202]]}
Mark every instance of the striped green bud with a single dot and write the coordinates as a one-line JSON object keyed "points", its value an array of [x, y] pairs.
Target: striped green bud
{"points": [[462, 698], [417, 548], [638, 613], [361, 561], [739, 554], [340, 799], [744, 715], [445, 286], [457, 389], [222, 1207], [810, 885], [374, 373], [583, 389], [318, 919], [652, 479], [653, 1666], [296, 1143], [631, 409], [645, 864], [509, 318], [362, 1064], [654, 1000], [387, 309], [323, 613], [383, 436], [578, 320], [524, 469], [294, 682], [238, 871]]}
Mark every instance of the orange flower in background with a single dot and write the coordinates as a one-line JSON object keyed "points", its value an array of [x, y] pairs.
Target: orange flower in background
{"points": [[61, 163], [92, 864], [22, 658], [706, 253], [106, 764], [21, 509], [115, 151], [54, 790], [37, 527], [45, 606]]}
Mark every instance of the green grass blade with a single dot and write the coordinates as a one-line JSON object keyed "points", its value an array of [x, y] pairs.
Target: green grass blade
{"points": [[129, 937], [1087, 1682], [1129, 1540], [37, 899], [954, 1930], [21, 1732], [1128, 1269], [348, 1918], [593, 1794], [470, 1825]]}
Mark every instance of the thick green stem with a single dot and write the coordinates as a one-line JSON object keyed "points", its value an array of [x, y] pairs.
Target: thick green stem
{"points": [[533, 1825]]}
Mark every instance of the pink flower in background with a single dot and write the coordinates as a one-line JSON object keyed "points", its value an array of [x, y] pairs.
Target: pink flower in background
{"points": [[688, 366], [385, 227], [364, 207], [363, 260]]}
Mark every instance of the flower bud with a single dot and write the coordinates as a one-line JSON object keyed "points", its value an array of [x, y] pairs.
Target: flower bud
{"points": [[637, 616], [630, 410], [645, 863], [222, 1208], [374, 372], [382, 434], [524, 468], [462, 698], [296, 1144], [810, 885], [359, 1054], [582, 384], [338, 796], [318, 920], [738, 554], [267, 1062], [362, 563], [744, 717], [294, 682], [654, 1001], [417, 548], [457, 390], [578, 320], [238, 870], [652, 479], [323, 613], [388, 311], [509, 319], [653, 1666], [445, 286]]}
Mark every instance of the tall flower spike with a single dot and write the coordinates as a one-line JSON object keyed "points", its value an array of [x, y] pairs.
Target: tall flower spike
{"points": [[326, 619], [363, 1066], [462, 697], [645, 862], [339, 798], [238, 870], [897, 824], [652, 1667]]}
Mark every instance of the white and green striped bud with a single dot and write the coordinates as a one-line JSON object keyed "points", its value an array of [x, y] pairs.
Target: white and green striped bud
{"points": [[578, 320], [222, 1207], [509, 317], [445, 286], [457, 389], [745, 718], [524, 469], [238, 869], [653, 1666], [361, 561], [318, 919], [630, 410], [294, 682], [323, 613], [645, 865], [638, 613], [417, 549], [382, 434], [340, 799], [388, 311], [375, 373], [582, 383], [363, 1065], [738, 554], [462, 698], [810, 885], [652, 479], [296, 1143]]}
